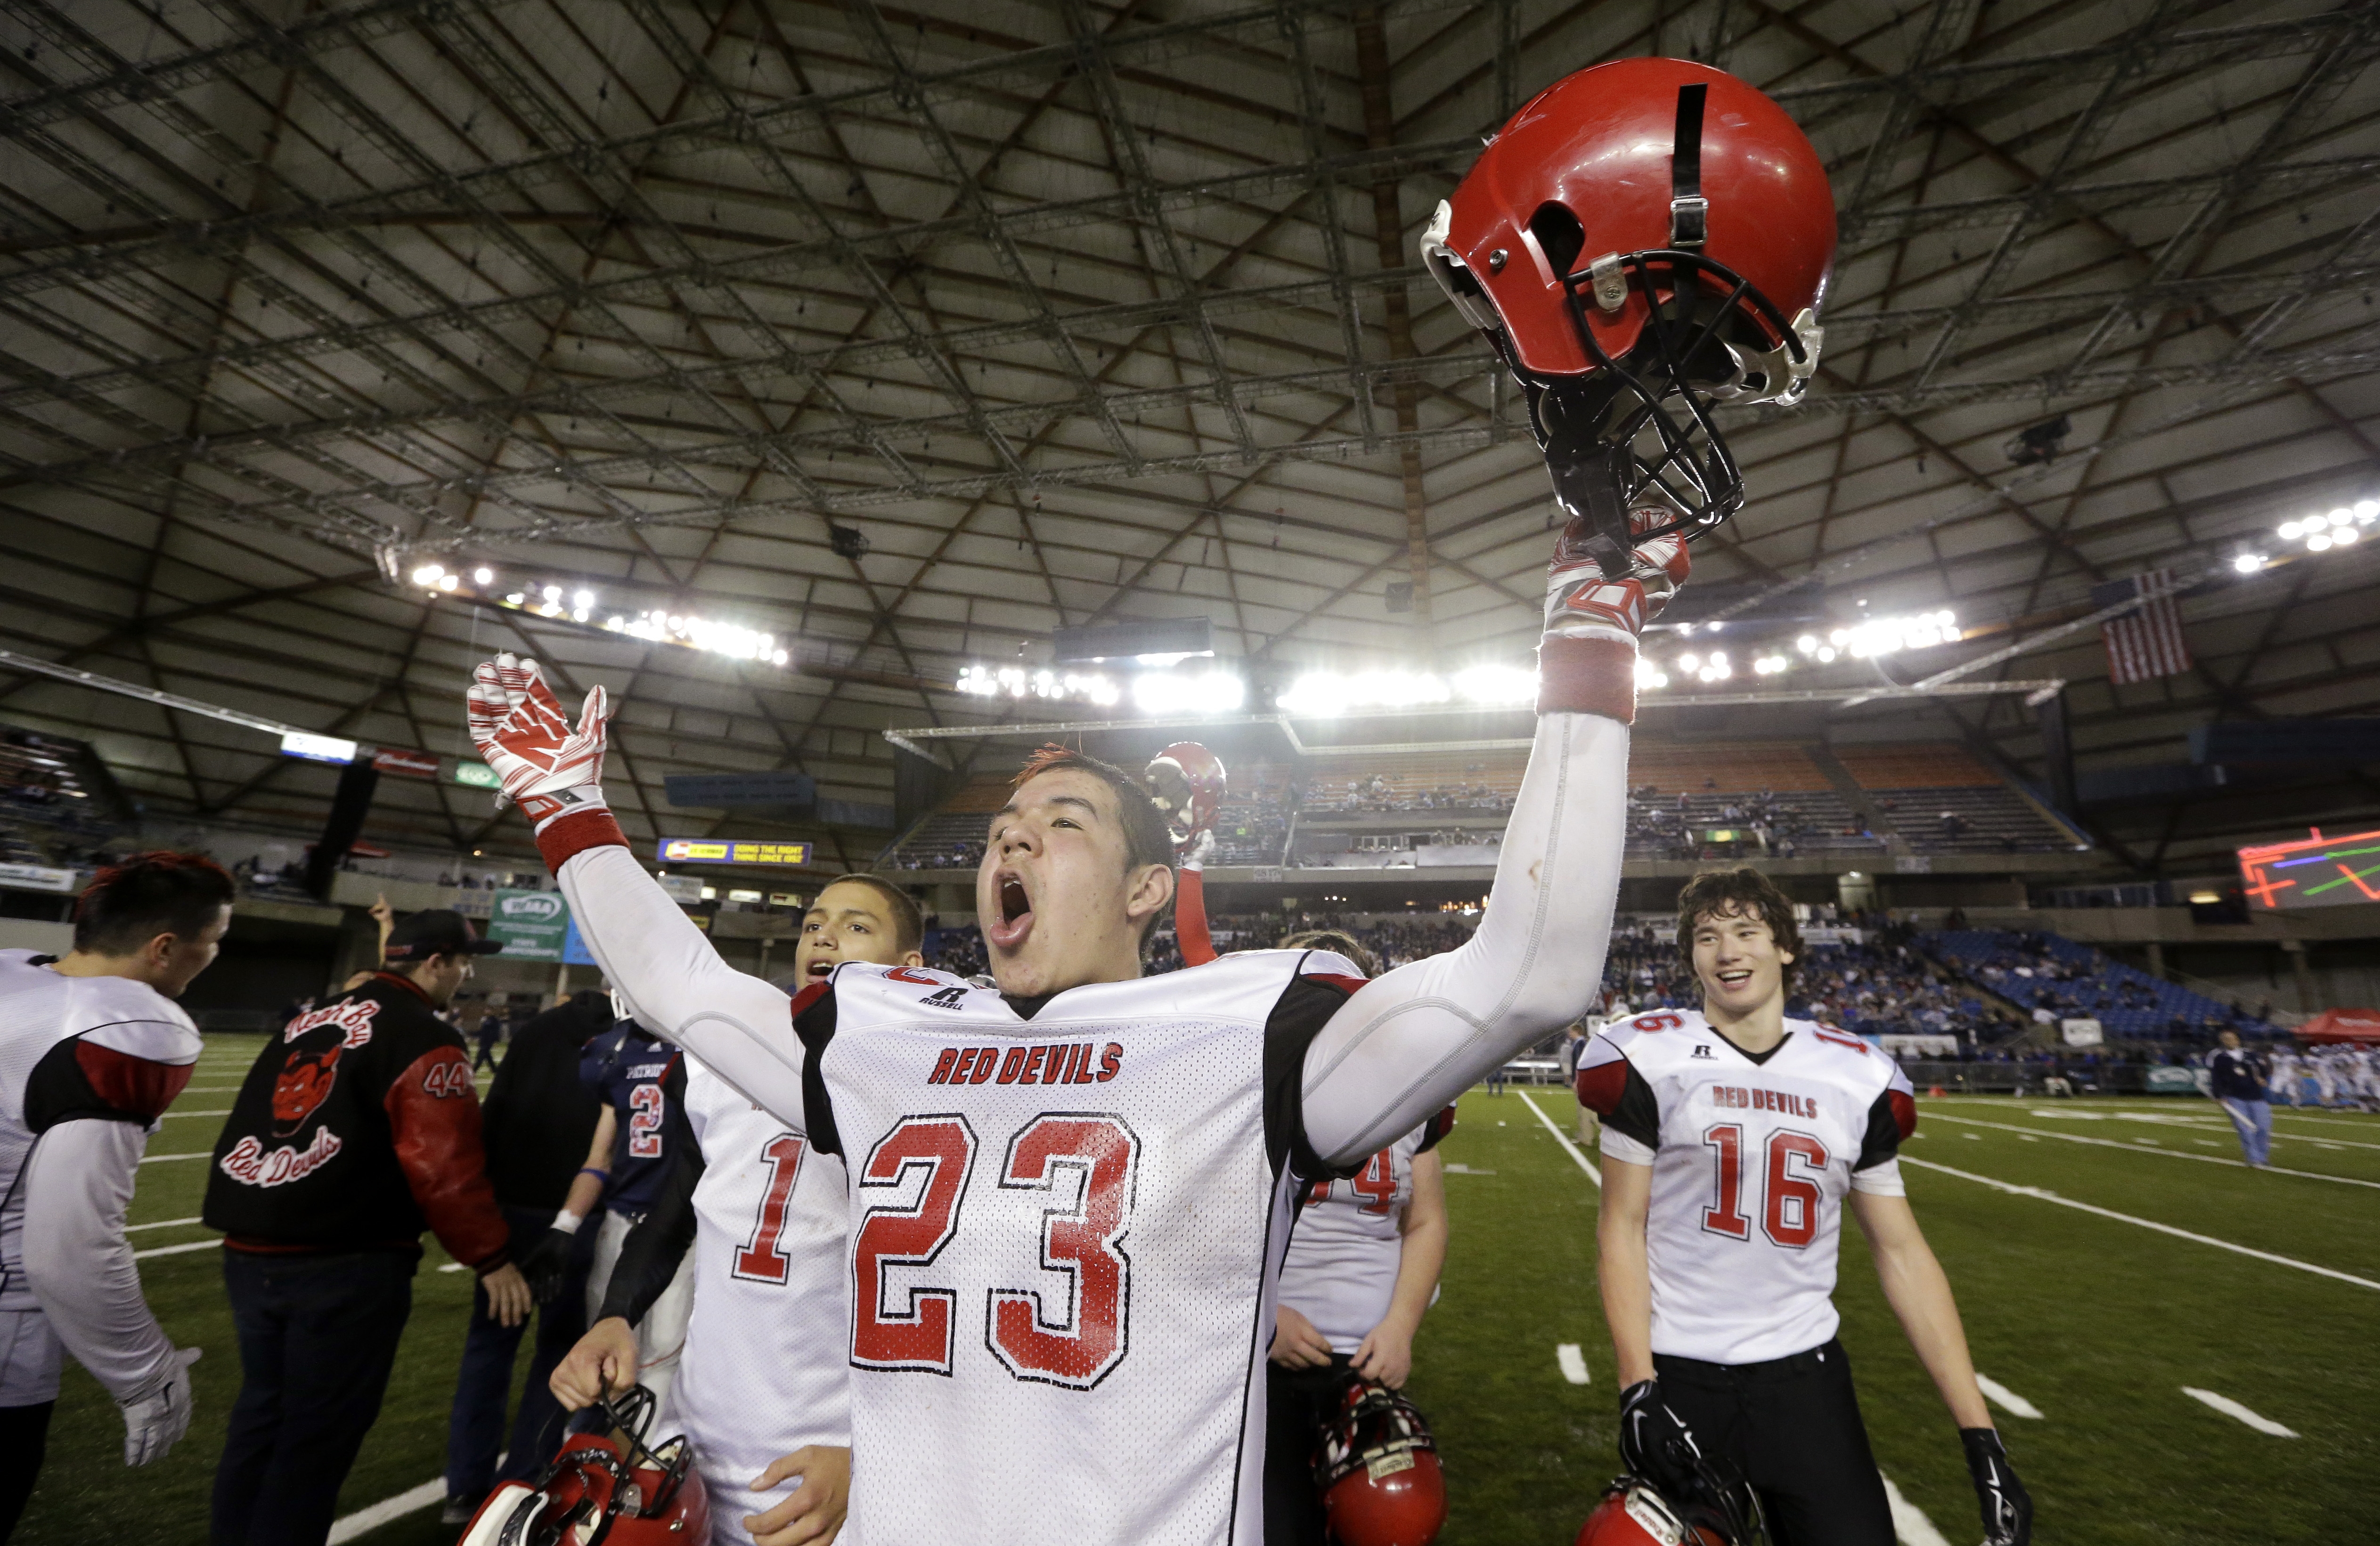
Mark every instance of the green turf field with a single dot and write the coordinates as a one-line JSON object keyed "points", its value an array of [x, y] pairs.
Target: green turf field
{"points": [[2097, 1322]]}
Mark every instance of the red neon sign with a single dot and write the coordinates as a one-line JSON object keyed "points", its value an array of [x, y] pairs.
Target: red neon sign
{"points": [[2313, 871]]}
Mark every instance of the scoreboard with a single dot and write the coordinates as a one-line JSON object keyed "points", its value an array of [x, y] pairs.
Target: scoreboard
{"points": [[2313, 871]]}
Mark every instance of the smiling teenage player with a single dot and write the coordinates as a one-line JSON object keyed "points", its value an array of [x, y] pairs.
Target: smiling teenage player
{"points": [[1070, 1191], [1731, 1139]]}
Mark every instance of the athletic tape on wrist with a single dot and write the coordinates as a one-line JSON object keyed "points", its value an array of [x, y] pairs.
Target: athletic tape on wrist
{"points": [[1587, 676], [567, 835]]}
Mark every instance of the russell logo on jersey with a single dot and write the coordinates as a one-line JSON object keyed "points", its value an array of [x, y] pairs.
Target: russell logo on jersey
{"points": [[1040, 1063]]}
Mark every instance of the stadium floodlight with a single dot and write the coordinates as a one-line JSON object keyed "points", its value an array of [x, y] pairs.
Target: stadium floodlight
{"points": [[1015, 681], [1188, 692], [583, 599], [552, 592], [1888, 636], [1769, 666], [1487, 686], [447, 582], [427, 576], [484, 576], [2249, 563], [1648, 676], [2337, 528], [731, 640], [1494, 684], [1807, 644]]}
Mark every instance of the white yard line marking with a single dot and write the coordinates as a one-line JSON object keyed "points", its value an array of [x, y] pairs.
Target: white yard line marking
{"points": [[160, 1224], [1909, 1521], [1562, 1138], [1572, 1361], [1453, 1169], [2143, 1146], [411, 1500], [2283, 1114], [176, 1250], [161, 1159], [2016, 1190], [2231, 1409], [2006, 1399], [225, 1111]]}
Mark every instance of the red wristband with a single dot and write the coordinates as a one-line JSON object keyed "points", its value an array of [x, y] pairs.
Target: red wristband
{"points": [[1587, 676], [575, 833]]}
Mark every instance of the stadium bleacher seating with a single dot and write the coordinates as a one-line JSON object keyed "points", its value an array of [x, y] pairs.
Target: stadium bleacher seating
{"points": [[1942, 801], [952, 837], [1681, 792], [2045, 971]]}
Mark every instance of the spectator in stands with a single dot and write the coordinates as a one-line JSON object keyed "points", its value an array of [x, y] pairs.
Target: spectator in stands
{"points": [[539, 1122], [357, 1128]]}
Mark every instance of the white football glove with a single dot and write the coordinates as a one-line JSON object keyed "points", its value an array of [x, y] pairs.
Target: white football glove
{"points": [[156, 1422], [1581, 604], [546, 767]]}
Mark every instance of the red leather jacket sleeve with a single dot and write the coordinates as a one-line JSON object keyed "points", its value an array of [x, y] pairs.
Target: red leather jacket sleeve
{"points": [[433, 1118]]}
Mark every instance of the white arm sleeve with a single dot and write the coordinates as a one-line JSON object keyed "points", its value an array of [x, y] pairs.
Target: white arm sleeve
{"points": [[1412, 1040], [740, 1025], [78, 1183]]}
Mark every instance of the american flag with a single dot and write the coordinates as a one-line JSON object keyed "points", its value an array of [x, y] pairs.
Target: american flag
{"points": [[2145, 642]]}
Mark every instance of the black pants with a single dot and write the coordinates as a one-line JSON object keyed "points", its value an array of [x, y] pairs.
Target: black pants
{"points": [[475, 1428], [24, 1437], [1791, 1428], [318, 1336], [1299, 1401]]}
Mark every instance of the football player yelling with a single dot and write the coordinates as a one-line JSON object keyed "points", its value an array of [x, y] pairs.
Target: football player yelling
{"points": [[1078, 870], [1732, 1140], [1060, 1298]]}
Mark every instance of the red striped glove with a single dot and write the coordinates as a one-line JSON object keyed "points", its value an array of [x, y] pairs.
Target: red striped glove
{"points": [[545, 766], [1581, 602]]}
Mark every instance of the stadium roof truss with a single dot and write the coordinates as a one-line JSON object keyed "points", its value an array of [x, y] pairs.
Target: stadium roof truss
{"points": [[1095, 309]]}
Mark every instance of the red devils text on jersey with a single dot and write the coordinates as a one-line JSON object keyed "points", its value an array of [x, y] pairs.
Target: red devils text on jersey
{"points": [[764, 1372], [1340, 1270], [1751, 1159], [1064, 1230]]}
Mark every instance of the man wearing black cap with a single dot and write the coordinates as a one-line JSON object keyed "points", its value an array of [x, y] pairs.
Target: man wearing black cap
{"points": [[357, 1128]]}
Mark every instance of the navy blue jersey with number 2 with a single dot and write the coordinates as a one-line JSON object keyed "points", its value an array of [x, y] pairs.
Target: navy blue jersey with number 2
{"points": [[639, 1077]]}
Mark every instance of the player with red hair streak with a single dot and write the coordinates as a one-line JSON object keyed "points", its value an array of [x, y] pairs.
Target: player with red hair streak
{"points": [[92, 1049]]}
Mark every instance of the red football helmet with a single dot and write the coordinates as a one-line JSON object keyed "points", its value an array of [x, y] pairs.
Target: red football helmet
{"points": [[1631, 1514], [1634, 1514], [1187, 781], [593, 1494], [1642, 240], [1378, 1471]]}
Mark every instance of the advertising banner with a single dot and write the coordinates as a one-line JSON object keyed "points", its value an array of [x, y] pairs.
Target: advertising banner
{"points": [[531, 925], [727, 850]]}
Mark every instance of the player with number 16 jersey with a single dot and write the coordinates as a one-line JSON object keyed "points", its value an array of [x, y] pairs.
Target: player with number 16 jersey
{"points": [[1751, 1160]]}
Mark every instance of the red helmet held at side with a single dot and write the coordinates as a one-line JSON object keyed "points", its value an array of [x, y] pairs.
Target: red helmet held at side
{"points": [[1378, 1471], [601, 1491], [1642, 240], [1633, 1514]]}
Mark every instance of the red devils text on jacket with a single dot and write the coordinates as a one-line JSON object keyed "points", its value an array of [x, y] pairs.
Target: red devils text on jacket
{"points": [[357, 1128]]}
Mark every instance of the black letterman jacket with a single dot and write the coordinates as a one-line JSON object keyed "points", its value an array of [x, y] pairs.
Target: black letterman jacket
{"points": [[357, 1128]]}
